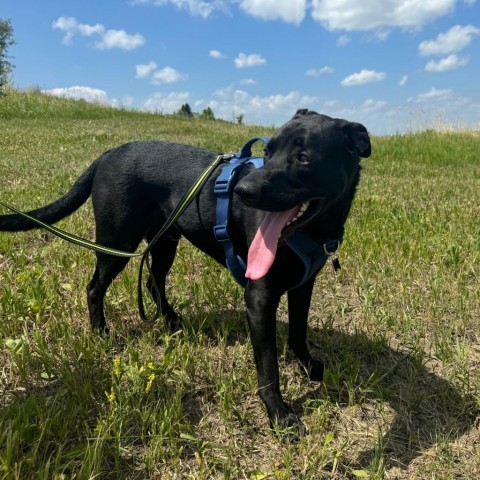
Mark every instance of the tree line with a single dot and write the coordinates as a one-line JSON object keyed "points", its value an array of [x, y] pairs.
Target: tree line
{"points": [[207, 114]]}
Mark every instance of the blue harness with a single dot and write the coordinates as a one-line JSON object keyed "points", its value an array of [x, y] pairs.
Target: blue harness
{"points": [[313, 255]]}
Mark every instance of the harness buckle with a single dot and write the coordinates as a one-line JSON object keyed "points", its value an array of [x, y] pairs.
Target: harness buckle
{"points": [[222, 185], [221, 233]]}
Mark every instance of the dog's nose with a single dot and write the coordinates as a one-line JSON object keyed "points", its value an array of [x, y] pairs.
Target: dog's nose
{"points": [[246, 191]]}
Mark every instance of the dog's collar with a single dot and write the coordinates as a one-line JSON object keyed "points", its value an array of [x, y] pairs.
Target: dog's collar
{"points": [[313, 254]]}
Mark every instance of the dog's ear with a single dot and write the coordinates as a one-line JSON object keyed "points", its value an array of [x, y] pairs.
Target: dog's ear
{"points": [[357, 140], [301, 111]]}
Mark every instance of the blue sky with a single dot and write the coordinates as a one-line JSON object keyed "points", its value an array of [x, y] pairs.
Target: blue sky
{"points": [[393, 65]]}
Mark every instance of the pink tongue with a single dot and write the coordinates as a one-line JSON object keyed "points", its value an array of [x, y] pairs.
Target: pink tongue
{"points": [[261, 253]]}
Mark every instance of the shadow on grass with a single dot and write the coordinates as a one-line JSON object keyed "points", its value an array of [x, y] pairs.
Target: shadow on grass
{"points": [[362, 371], [428, 409]]}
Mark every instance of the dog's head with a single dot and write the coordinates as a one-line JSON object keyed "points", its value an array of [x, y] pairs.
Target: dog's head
{"points": [[310, 162], [311, 157]]}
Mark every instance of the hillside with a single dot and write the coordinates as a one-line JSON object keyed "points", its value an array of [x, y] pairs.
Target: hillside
{"points": [[398, 326]]}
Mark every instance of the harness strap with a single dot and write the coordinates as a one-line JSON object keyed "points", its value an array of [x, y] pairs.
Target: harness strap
{"points": [[247, 148], [222, 189], [313, 255]]}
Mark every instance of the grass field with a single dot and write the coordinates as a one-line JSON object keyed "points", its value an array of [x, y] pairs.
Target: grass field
{"points": [[398, 327]]}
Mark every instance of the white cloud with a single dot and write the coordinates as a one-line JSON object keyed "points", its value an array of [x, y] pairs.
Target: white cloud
{"points": [[381, 35], [403, 81], [248, 81], [252, 60], [89, 30], [216, 54], [330, 103], [316, 72], [289, 102], [352, 15], [167, 75], [144, 71], [455, 40], [431, 95], [119, 39], [78, 92], [363, 77], [89, 94], [223, 93], [343, 40], [333, 14], [158, 76], [108, 38], [166, 103], [69, 25], [202, 8], [373, 105], [230, 102], [435, 109], [290, 11], [202, 104], [451, 62]]}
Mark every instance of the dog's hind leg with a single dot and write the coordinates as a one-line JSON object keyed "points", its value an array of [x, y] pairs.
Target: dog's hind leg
{"points": [[298, 307], [163, 254], [108, 267], [121, 223]]}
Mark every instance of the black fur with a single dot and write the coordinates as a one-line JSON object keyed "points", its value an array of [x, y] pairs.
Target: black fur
{"points": [[135, 187]]}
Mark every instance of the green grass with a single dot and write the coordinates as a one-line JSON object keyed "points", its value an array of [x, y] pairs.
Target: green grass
{"points": [[398, 326]]}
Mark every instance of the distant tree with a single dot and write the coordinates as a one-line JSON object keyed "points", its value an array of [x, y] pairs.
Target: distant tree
{"points": [[6, 41], [185, 110], [240, 119], [207, 114]]}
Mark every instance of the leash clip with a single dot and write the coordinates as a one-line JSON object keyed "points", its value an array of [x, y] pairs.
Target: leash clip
{"points": [[226, 157], [333, 255]]}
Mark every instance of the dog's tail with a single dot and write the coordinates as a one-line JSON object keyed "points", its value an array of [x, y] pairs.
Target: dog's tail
{"points": [[55, 211]]}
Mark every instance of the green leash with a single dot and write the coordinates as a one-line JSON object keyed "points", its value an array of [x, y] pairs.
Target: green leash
{"points": [[72, 238], [174, 216]]}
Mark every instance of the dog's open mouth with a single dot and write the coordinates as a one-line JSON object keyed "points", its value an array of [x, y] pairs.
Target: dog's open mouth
{"points": [[301, 211], [263, 248]]}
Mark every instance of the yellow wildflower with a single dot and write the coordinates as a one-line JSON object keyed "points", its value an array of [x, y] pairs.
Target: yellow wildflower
{"points": [[116, 367], [99, 427], [111, 396], [151, 378]]}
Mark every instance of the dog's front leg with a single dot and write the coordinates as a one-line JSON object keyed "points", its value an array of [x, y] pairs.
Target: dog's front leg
{"points": [[261, 313], [298, 307]]}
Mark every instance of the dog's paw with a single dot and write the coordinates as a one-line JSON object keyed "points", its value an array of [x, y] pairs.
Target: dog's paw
{"points": [[313, 369], [102, 330], [174, 322], [288, 428]]}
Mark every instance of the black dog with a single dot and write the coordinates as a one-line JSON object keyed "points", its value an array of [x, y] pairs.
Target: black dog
{"points": [[308, 183]]}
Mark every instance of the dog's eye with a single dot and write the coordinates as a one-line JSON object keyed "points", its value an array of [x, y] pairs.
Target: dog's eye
{"points": [[303, 158]]}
